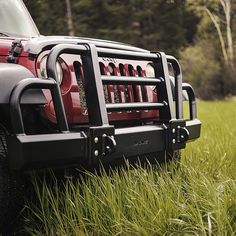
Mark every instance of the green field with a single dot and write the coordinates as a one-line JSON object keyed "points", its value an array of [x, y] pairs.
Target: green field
{"points": [[197, 198]]}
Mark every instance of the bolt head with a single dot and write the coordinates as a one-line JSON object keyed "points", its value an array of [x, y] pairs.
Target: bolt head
{"points": [[173, 141], [96, 139], [96, 153], [173, 131]]}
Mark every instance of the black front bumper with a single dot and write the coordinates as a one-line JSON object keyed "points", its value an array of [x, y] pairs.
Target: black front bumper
{"points": [[28, 152]]}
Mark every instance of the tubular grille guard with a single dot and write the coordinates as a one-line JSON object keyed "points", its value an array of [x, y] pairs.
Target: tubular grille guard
{"points": [[94, 81], [101, 138]]}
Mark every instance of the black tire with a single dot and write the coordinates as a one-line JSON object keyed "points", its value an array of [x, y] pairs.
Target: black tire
{"points": [[11, 192]]}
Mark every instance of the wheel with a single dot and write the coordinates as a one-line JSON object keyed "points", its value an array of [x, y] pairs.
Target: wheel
{"points": [[11, 191]]}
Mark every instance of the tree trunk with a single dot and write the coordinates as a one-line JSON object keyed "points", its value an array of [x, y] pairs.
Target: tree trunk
{"points": [[69, 18], [226, 41]]}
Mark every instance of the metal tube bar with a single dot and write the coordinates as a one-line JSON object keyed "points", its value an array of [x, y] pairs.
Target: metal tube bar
{"points": [[113, 80], [94, 92], [121, 54], [192, 100], [164, 89], [35, 83], [178, 86], [133, 106], [57, 51]]}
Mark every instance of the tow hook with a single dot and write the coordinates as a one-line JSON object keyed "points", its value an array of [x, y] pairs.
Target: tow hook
{"points": [[178, 135], [183, 135], [102, 142], [108, 145]]}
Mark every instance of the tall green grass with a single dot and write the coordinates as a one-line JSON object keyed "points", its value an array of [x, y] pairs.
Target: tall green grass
{"points": [[196, 197]]}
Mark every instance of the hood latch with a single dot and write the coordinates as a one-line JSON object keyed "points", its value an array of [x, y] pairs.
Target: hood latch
{"points": [[15, 51]]}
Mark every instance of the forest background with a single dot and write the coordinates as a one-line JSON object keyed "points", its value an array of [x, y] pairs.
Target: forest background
{"points": [[200, 33]]}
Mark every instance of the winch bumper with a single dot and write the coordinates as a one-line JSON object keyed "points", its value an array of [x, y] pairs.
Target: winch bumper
{"points": [[29, 152]]}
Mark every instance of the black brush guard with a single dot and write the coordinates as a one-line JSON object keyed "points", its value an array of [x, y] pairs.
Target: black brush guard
{"points": [[102, 142]]}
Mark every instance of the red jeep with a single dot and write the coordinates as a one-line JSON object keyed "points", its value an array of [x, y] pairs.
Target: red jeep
{"points": [[70, 102]]}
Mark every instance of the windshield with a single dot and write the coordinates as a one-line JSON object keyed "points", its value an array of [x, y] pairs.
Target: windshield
{"points": [[15, 20]]}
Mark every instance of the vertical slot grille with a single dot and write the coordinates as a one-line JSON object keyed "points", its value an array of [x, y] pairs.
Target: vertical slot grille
{"points": [[143, 87], [79, 78], [114, 88], [115, 93], [108, 98], [125, 94]]}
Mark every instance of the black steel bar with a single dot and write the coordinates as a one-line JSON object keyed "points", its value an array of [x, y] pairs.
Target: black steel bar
{"points": [[164, 89], [134, 106], [82, 49], [192, 100], [178, 86], [35, 83], [125, 80], [94, 92], [121, 54]]}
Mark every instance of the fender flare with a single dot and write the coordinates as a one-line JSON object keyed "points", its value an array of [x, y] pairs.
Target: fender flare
{"points": [[10, 76]]}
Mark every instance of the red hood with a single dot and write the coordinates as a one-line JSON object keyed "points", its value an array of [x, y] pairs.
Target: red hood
{"points": [[36, 45]]}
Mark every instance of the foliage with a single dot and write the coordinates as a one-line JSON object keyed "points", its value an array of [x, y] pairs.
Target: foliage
{"points": [[136, 22], [202, 70], [198, 198], [179, 27], [151, 24], [51, 16], [220, 15]]}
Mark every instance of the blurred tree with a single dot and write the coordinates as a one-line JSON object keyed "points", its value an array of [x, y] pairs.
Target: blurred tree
{"points": [[220, 14], [50, 16], [202, 70], [153, 24], [69, 18]]}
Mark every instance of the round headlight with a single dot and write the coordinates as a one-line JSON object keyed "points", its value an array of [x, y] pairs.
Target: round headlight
{"points": [[43, 71], [150, 72]]}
